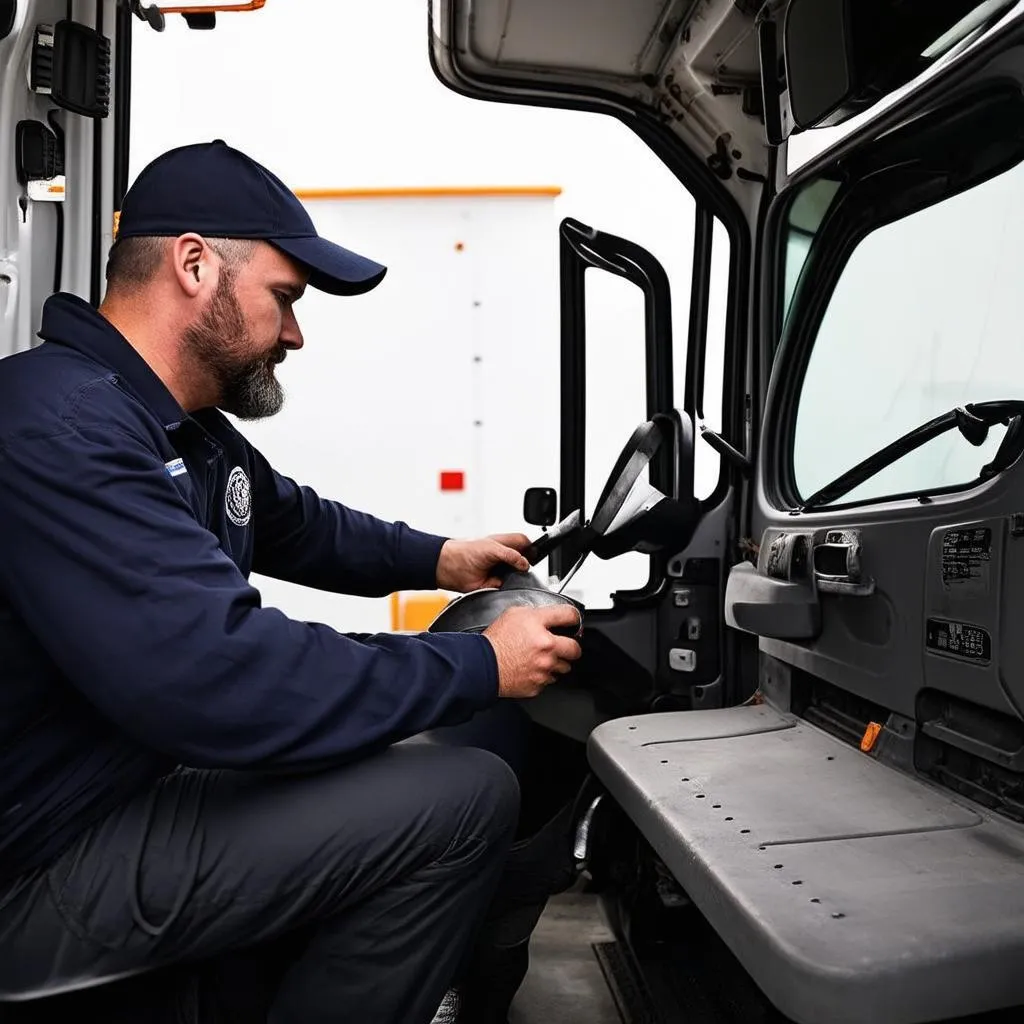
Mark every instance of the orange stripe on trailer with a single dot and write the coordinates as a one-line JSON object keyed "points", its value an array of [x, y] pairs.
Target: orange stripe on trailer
{"points": [[253, 5], [440, 192]]}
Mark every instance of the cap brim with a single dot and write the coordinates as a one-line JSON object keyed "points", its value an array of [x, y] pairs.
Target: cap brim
{"points": [[332, 268]]}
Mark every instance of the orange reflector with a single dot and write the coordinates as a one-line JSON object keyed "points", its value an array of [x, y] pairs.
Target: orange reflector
{"points": [[56, 189], [870, 737]]}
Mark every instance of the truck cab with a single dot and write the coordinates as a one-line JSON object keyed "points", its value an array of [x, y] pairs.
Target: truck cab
{"points": [[801, 740], [809, 738]]}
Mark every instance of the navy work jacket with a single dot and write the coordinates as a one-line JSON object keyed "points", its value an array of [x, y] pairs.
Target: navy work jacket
{"points": [[131, 641]]}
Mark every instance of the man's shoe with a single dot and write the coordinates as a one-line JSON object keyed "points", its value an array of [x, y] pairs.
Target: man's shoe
{"points": [[487, 994], [449, 1012]]}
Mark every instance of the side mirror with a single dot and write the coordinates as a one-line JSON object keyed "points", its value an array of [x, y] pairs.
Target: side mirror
{"points": [[540, 506], [824, 61], [819, 54]]}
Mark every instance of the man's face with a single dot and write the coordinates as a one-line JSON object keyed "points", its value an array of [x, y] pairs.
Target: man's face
{"points": [[246, 329]]}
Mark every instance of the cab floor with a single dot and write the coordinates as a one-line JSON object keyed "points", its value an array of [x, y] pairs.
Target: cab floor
{"points": [[565, 983]]}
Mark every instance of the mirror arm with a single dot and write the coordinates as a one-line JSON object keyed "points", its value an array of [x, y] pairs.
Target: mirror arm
{"points": [[733, 456]]}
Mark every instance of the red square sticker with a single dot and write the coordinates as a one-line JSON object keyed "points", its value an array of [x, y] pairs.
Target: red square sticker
{"points": [[453, 480]]}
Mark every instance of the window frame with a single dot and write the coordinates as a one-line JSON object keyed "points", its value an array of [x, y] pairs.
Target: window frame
{"points": [[895, 177], [582, 249]]}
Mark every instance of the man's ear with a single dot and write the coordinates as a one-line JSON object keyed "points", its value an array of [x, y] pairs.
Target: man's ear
{"points": [[192, 264]]}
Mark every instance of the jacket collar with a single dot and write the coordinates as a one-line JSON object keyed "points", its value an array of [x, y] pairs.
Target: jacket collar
{"points": [[71, 321]]}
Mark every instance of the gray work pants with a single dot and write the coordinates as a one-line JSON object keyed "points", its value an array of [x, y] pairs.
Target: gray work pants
{"points": [[375, 875]]}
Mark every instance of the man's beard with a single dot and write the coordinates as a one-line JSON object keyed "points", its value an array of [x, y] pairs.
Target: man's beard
{"points": [[247, 386]]}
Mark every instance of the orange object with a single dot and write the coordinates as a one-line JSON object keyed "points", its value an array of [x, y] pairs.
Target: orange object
{"points": [[117, 221], [441, 192], [253, 5], [870, 737], [415, 612]]}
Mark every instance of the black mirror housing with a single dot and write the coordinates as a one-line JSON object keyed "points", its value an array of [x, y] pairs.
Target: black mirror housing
{"points": [[540, 506]]}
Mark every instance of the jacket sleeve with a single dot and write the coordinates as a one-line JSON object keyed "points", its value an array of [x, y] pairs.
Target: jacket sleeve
{"points": [[144, 614], [303, 538]]}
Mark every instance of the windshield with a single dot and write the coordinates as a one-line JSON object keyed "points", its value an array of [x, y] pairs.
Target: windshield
{"points": [[926, 315]]}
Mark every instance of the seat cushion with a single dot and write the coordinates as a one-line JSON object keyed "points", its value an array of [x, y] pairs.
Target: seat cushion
{"points": [[851, 892]]}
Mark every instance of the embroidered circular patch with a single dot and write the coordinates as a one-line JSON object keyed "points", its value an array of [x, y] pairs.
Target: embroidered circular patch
{"points": [[238, 497]]}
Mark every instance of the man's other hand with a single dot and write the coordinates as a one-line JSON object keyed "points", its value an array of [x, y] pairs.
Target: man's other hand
{"points": [[467, 565], [529, 655]]}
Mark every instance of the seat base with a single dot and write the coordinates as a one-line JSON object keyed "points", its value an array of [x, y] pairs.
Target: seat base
{"points": [[852, 893]]}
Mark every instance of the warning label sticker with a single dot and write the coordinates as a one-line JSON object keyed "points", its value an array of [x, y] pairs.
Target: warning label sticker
{"points": [[960, 639], [966, 557]]}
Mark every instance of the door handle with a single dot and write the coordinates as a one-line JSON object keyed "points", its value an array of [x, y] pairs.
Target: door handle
{"points": [[837, 568]]}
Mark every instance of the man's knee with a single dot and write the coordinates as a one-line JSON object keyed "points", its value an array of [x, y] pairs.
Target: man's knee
{"points": [[490, 793]]}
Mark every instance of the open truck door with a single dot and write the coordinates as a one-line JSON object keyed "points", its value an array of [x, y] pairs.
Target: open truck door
{"points": [[658, 646], [850, 837]]}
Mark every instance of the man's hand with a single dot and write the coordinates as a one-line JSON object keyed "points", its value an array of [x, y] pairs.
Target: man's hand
{"points": [[467, 565], [529, 655]]}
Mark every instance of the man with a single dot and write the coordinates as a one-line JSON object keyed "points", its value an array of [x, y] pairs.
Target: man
{"points": [[184, 773]]}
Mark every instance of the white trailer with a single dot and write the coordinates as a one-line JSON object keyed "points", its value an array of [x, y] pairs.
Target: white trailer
{"points": [[406, 402]]}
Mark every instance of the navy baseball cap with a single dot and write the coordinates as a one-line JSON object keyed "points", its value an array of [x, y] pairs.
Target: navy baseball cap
{"points": [[220, 192]]}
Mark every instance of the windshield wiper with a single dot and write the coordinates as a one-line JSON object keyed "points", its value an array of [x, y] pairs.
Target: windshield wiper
{"points": [[973, 422]]}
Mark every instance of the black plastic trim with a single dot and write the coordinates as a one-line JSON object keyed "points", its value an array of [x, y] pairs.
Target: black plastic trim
{"points": [[122, 102], [573, 394], [95, 289], [700, 299], [582, 247], [8, 12]]}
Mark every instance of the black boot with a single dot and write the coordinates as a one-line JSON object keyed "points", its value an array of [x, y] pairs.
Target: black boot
{"points": [[538, 866], [500, 962]]}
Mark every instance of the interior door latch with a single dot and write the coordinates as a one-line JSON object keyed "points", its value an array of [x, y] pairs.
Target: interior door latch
{"points": [[837, 565]]}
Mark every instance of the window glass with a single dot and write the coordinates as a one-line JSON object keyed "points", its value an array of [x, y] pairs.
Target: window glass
{"points": [[805, 217], [926, 316], [616, 403]]}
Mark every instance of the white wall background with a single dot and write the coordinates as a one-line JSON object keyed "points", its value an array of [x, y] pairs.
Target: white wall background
{"points": [[340, 94], [443, 367]]}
